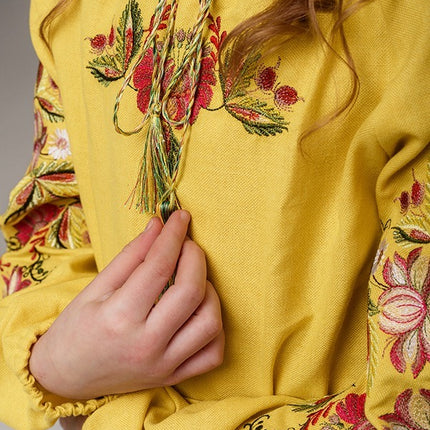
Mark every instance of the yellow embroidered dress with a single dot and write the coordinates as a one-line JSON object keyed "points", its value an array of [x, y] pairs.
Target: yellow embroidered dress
{"points": [[320, 333]]}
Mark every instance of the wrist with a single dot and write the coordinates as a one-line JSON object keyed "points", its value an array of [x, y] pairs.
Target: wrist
{"points": [[42, 368]]}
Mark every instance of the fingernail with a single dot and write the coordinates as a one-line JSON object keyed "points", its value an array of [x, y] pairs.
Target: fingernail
{"points": [[185, 215], [149, 225]]}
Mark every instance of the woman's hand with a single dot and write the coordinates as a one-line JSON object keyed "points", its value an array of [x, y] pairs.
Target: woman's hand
{"points": [[113, 339]]}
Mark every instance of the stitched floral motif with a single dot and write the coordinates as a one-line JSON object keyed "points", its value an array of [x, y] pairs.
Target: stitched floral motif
{"points": [[174, 74], [411, 412], [44, 208], [117, 49], [261, 115], [322, 410], [414, 227], [402, 308]]}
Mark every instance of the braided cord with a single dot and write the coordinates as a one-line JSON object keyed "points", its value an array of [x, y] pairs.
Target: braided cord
{"points": [[155, 188]]}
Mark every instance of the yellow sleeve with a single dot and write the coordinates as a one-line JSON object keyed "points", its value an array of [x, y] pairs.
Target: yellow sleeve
{"points": [[398, 392], [49, 259]]}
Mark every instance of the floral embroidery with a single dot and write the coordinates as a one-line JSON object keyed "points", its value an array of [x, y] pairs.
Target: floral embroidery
{"points": [[379, 257], [411, 412], [351, 411], [402, 309], [316, 411], [34, 222], [40, 138], [404, 313], [44, 208], [175, 76], [180, 97], [47, 182], [116, 50], [59, 145], [47, 97], [414, 227]]}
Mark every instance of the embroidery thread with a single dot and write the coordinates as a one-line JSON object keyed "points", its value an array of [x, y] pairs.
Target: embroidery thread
{"points": [[174, 77]]}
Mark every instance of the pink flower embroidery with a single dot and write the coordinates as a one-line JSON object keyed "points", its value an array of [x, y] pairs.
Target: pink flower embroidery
{"points": [[404, 310], [15, 282], [351, 410], [411, 411]]}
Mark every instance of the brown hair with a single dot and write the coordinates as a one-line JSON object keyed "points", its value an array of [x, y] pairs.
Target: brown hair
{"points": [[282, 20]]}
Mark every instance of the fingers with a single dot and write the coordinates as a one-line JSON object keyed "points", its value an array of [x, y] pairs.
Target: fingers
{"points": [[139, 292], [198, 331], [72, 423], [207, 359], [117, 272], [185, 296]]}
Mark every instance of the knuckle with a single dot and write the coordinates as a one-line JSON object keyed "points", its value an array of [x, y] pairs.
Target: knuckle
{"points": [[115, 323], [163, 268], [195, 294], [165, 370], [128, 249], [212, 326], [143, 354], [174, 379], [215, 358]]}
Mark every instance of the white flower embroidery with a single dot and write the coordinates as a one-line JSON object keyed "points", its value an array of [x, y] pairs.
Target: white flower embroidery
{"points": [[59, 145]]}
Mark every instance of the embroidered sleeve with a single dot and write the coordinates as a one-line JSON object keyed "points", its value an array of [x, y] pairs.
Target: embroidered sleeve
{"points": [[49, 259], [399, 305], [44, 208]]}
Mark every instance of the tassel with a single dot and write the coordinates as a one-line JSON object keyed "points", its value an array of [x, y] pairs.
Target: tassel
{"points": [[155, 188]]}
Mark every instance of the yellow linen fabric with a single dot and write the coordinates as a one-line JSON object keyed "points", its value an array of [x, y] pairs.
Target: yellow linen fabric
{"points": [[290, 229]]}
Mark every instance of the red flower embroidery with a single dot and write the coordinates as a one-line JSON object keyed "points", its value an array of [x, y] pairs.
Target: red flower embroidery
{"points": [[351, 410], [413, 198], [34, 221], [180, 95]]}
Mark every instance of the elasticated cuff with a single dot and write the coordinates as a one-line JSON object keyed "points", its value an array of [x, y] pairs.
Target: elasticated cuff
{"points": [[52, 405]]}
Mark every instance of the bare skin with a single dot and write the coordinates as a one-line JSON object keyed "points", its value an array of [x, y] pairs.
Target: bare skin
{"points": [[121, 341]]}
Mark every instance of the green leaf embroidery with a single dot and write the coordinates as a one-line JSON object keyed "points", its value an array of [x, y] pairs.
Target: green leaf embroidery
{"points": [[50, 108], [129, 34], [372, 309], [106, 69], [44, 184], [68, 228], [109, 68], [414, 235], [257, 117], [238, 87]]}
